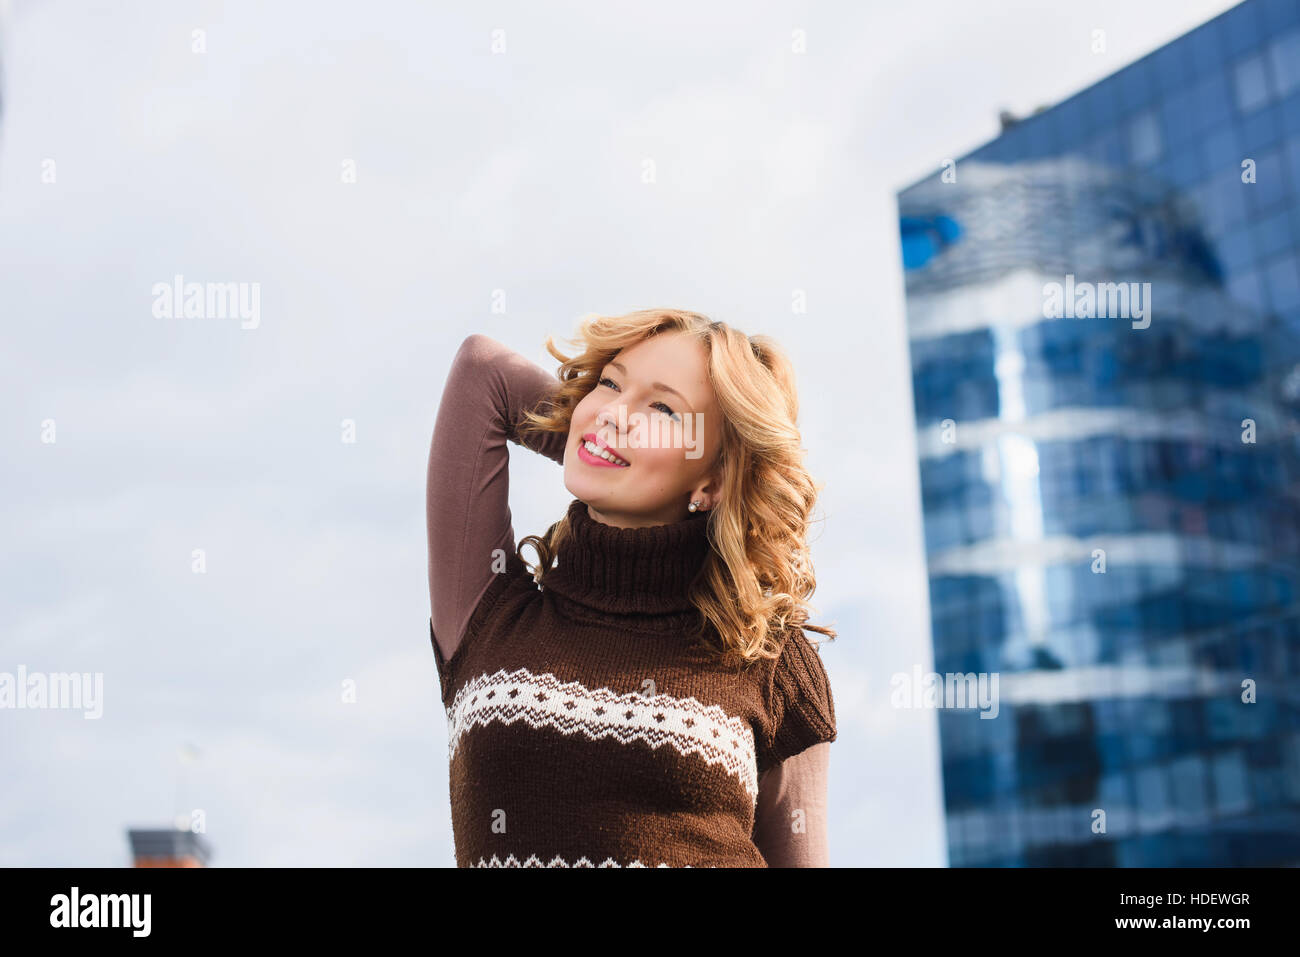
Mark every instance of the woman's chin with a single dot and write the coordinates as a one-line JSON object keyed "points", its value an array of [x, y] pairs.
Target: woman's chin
{"points": [[591, 490], [581, 486]]}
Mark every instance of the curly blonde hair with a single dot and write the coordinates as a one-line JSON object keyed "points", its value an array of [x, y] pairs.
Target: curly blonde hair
{"points": [[758, 576]]}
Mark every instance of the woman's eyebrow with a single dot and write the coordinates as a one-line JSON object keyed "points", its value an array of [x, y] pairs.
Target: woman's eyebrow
{"points": [[654, 385]]}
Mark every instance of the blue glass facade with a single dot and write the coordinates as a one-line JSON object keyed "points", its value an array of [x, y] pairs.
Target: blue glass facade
{"points": [[1103, 310]]}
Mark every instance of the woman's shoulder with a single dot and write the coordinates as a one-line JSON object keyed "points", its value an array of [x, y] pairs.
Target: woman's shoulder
{"points": [[800, 706], [511, 581]]}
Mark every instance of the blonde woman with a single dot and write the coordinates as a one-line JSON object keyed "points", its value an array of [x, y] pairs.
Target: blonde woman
{"points": [[644, 694]]}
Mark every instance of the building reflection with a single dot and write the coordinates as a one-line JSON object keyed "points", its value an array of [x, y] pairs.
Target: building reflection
{"points": [[1111, 497]]}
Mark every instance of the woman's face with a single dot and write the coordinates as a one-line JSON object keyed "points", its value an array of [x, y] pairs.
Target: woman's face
{"points": [[655, 411]]}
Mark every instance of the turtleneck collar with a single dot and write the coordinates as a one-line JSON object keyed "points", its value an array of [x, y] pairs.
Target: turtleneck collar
{"points": [[630, 571]]}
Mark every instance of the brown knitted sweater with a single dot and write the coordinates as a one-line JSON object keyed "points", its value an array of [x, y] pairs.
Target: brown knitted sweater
{"points": [[587, 729]]}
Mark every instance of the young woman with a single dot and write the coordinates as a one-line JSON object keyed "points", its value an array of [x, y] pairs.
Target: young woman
{"points": [[644, 695]]}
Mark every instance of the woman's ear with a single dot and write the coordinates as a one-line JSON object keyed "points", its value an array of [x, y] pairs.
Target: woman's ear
{"points": [[709, 490]]}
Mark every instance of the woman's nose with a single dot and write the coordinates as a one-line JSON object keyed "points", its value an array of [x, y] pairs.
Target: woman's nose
{"points": [[611, 417]]}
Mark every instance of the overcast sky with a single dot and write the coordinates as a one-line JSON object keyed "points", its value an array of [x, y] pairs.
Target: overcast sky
{"points": [[515, 177]]}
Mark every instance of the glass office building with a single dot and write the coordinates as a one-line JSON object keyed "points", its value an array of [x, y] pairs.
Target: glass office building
{"points": [[1103, 310]]}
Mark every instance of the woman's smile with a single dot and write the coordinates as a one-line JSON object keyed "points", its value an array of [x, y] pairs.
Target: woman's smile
{"points": [[594, 452]]}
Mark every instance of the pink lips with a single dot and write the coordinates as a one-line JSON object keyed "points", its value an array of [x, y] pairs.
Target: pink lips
{"points": [[590, 459]]}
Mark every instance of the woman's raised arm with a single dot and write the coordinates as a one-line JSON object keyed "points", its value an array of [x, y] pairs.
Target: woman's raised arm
{"points": [[489, 387]]}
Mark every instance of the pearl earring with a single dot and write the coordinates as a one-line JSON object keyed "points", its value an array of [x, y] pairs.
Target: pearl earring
{"points": [[694, 506]]}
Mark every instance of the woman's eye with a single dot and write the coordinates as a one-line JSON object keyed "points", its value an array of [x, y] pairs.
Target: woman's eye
{"points": [[606, 380]]}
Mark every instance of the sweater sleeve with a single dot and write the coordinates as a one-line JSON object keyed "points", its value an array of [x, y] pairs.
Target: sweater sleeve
{"points": [[790, 820], [489, 386], [801, 710]]}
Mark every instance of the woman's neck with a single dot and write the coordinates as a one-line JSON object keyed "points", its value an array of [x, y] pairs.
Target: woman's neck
{"points": [[629, 571]]}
